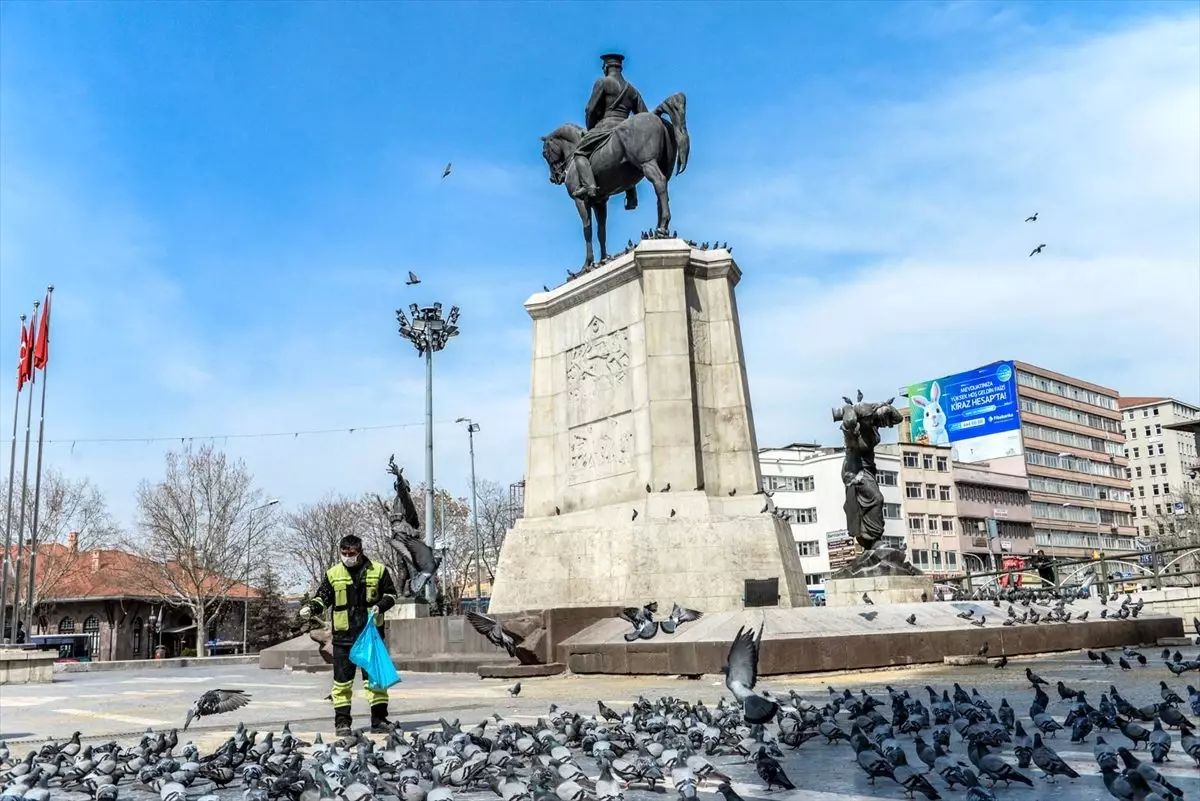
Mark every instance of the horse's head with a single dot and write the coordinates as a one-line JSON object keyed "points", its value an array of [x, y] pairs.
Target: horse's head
{"points": [[555, 160], [556, 146]]}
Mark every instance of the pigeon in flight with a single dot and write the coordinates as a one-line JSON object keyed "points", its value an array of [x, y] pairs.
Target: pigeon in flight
{"points": [[1033, 218], [679, 615], [495, 633], [446, 172], [1037, 250], [642, 620], [741, 674], [214, 702], [412, 279]]}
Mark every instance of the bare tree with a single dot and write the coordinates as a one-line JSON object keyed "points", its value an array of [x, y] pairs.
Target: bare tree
{"points": [[196, 530], [495, 519], [1179, 527], [74, 519], [311, 533]]}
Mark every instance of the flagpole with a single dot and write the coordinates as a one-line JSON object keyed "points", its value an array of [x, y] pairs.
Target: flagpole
{"points": [[16, 624], [12, 477], [37, 481]]}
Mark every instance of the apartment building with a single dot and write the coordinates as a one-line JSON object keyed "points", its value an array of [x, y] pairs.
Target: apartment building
{"points": [[1074, 448], [929, 508], [1163, 467], [805, 480], [982, 494]]}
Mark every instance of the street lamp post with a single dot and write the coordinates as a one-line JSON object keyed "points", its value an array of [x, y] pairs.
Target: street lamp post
{"points": [[246, 583], [428, 333], [472, 427]]}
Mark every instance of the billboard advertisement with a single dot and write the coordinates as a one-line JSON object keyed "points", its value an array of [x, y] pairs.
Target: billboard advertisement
{"points": [[976, 413]]}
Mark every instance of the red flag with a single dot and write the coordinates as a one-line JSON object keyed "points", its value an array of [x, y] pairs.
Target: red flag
{"points": [[41, 350], [26, 360]]}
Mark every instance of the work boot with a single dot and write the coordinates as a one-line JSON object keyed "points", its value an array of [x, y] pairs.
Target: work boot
{"points": [[379, 722], [342, 722]]}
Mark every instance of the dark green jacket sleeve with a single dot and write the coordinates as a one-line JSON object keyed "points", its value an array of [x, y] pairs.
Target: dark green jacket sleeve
{"points": [[323, 599], [387, 591]]}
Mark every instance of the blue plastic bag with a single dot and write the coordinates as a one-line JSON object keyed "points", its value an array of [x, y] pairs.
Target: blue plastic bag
{"points": [[370, 654]]}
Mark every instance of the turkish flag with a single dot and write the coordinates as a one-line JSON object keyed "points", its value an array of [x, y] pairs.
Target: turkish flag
{"points": [[41, 350], [26, 356]]}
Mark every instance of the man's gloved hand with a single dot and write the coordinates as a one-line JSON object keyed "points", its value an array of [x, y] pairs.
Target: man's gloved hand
{"points": [[374, 611], [305, 612]]}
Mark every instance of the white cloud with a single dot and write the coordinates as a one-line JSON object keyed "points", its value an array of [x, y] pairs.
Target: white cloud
{"points": [[895, 251]]}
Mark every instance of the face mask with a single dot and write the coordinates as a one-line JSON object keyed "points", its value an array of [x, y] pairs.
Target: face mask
{"points": [[349, 561]]}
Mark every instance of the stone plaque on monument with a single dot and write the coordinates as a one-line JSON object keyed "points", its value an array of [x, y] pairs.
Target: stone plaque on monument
{"points": [[642, 464]]}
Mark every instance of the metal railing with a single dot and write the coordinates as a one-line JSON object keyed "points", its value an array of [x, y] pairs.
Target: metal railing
{"points": [[1099, 568]]}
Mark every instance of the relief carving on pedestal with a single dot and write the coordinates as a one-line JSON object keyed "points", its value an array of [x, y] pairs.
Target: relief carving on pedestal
{"points": [[698, 329], [602, 449], [598, 375]]}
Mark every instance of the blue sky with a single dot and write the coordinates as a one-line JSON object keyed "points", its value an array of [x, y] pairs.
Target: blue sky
{"points": [[228, 197]]}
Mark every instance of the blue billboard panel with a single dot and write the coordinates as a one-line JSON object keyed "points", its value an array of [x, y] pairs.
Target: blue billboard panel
{"points": [[976, 413]]}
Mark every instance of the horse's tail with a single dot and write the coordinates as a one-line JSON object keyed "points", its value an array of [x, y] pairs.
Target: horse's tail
{"points": [[675, 107]]}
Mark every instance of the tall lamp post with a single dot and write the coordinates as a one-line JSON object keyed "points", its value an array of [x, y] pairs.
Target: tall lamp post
{"points": [[428, 333], [472, 427], [246, 584]]}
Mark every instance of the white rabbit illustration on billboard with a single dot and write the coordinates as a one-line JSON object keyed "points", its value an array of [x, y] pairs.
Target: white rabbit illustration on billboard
{"points": [[934, 417]]}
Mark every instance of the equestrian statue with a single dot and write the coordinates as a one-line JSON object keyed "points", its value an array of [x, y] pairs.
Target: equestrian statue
{"points": [[623, 143]]}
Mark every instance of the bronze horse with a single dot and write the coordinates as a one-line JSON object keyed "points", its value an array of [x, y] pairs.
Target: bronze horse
{"points": [[648, 145]]}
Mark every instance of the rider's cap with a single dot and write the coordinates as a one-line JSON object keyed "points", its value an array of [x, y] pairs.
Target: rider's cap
{"points": [[612, 59]]}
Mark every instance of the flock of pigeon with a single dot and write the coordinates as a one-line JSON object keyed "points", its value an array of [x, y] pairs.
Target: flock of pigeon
{"points": [[927, 742]]}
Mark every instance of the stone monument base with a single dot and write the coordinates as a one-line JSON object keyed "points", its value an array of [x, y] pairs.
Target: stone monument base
{"points": [[407, 609], [881, 590], [687, 547]]}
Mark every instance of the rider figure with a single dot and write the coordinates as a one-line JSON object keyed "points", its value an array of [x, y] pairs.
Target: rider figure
{"points": [[613, 100]]}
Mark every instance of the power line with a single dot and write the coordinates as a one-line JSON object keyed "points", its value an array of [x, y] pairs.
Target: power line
{"points": [[73, 441]]}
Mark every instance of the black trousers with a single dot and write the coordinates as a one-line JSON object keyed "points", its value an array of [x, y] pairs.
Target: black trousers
{"points": [[343, 680]]}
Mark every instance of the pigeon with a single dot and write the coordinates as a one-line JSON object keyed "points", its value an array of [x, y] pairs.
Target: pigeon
{"points": [[1002, 662], [446, 172], [741, 674], [215, 702], [642, 620], [412, 279], [515, 690], [911, 620], [495, 633], [1032, 218], [679, 615], [869, 616], [866, 599], [1036, 250]]}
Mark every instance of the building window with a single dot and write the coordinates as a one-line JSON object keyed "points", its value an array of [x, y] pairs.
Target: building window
{"points": [[1137, 471], [66, 626], [952, 560], [91, 627], [1160, 449], [815, 579], [931, 492], [800, 515], [933, 523], [948, 524], [921, 558], [1156, 411], [1155, 489], [1163, 468], [810, 547], [927, 461], [1154, 470], [891, 511], [1143, 511], [944, 492], [137, 636], [888, 478], [911, 459], [1166, 488], [1141, 490], [1133, 432], [1128, 473], [916, 522], [1147, 431], [788, 483], [912, 489], [943, 464], [1158, 428], [1158, 508]]}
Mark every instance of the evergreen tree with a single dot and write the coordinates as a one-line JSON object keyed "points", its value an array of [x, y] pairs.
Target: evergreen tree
{"points": [[270, 623]]}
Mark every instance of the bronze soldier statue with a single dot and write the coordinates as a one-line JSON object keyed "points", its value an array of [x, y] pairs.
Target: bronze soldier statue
{"points": [[613, 100]]}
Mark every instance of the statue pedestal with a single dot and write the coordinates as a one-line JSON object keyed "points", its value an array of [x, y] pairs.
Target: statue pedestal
{"points": [[406, 609], [881, 589], [638, 381]]}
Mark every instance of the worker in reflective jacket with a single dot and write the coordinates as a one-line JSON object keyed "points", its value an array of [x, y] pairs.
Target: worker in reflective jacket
{"points": [[351, 589]]}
